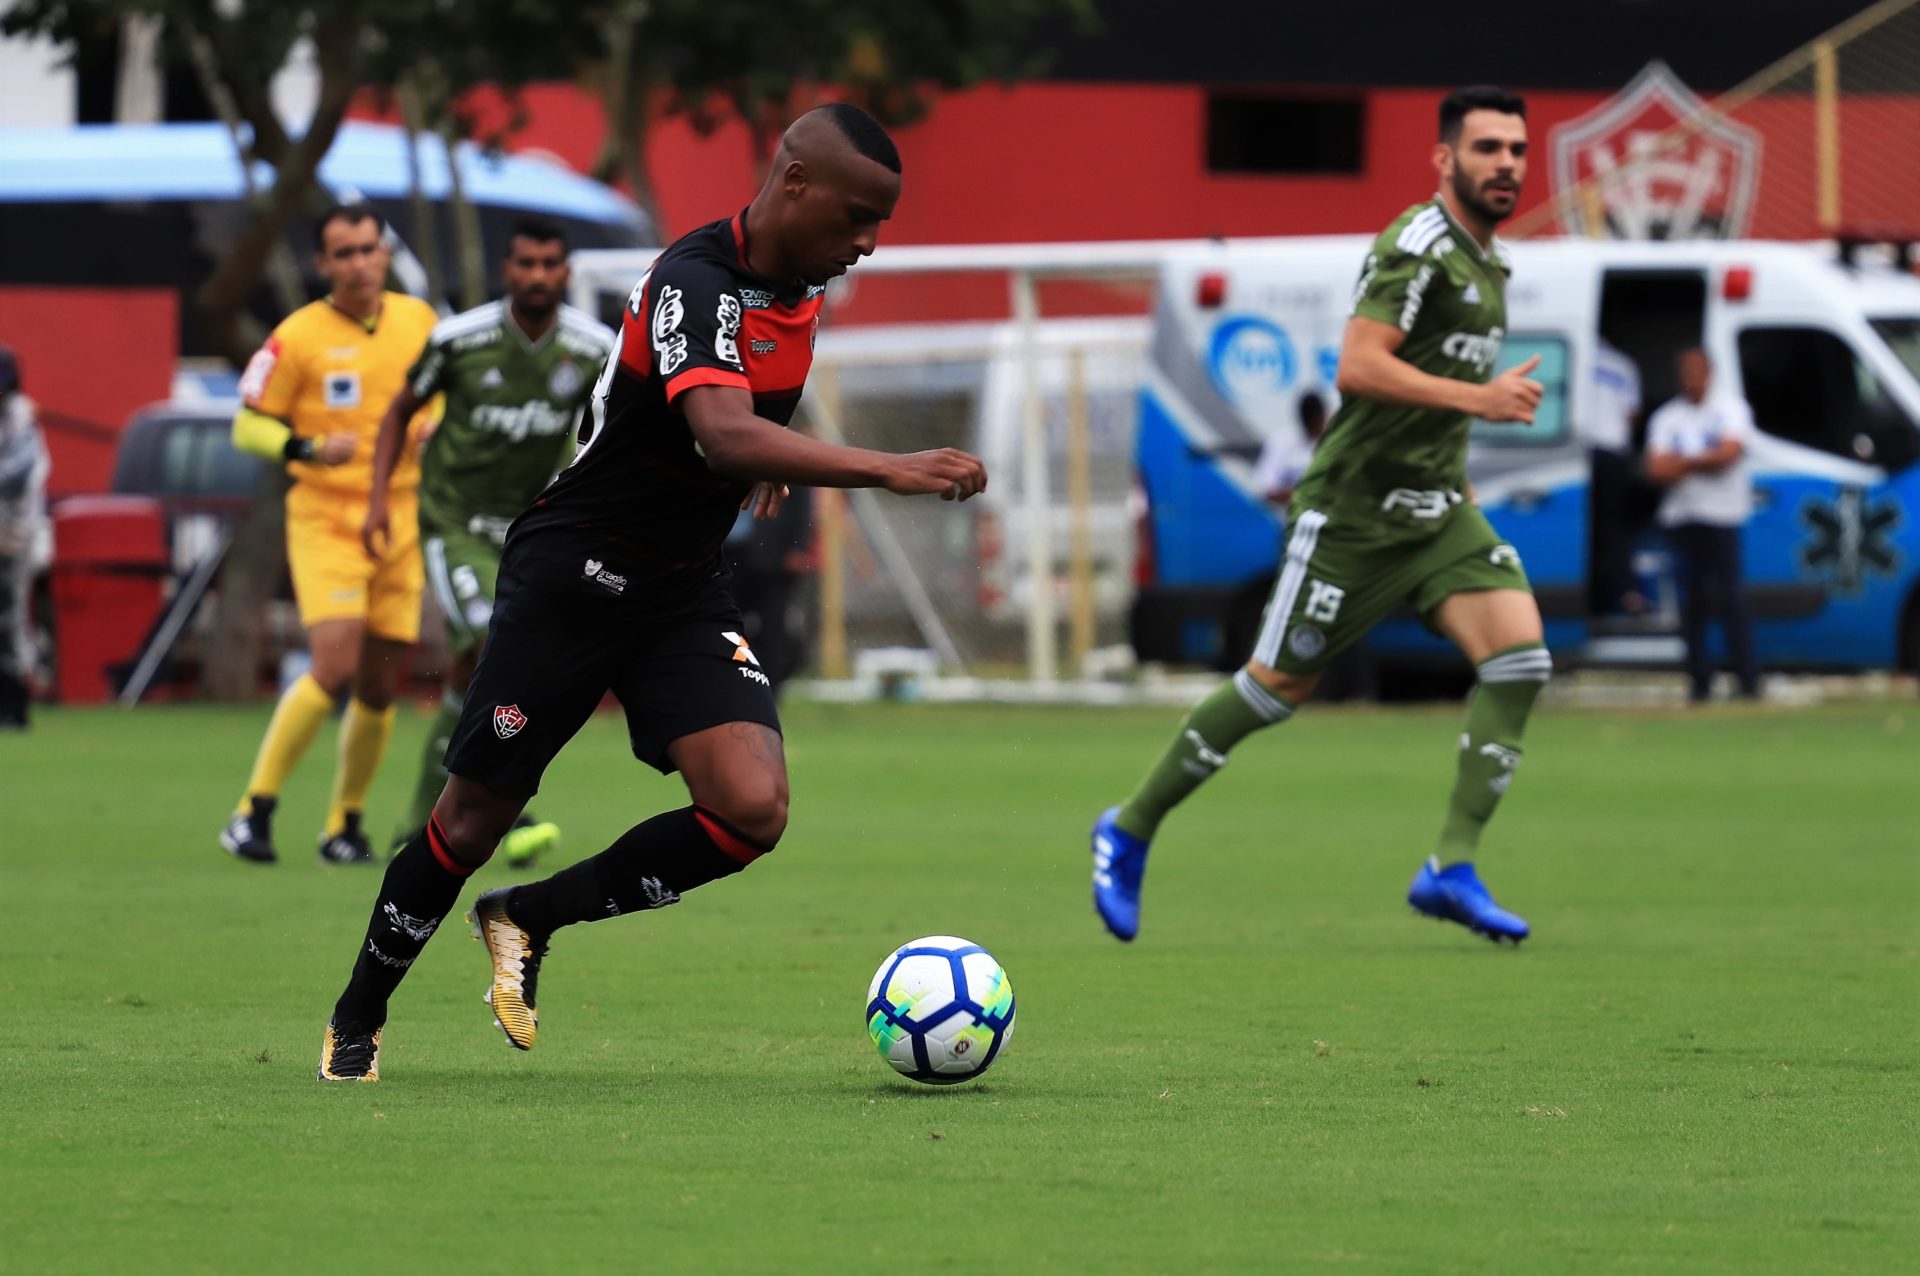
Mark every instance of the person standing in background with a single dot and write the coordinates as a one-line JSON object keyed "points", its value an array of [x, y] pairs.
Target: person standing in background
{"points": [[312, 398], [515, 375], [1696, 449], [1283, 460], [23, 518], [1617, 516]]}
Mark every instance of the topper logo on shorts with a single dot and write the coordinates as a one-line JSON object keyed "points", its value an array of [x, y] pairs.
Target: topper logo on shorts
{"points": [[507, 720], [742, 653]]}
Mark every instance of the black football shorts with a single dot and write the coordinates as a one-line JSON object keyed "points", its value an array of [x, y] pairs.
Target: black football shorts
{"points": [[551, 656]]}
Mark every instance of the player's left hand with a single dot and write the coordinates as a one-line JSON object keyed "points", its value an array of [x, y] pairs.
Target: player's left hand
{"points": [[765, 499], [376, 534]]}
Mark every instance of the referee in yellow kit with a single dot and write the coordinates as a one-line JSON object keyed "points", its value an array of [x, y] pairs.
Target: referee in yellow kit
{"points": [[313, 397]]}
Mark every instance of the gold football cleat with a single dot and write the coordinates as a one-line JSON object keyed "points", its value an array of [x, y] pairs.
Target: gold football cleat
{"points": [[350, 1052], [516, 957]]}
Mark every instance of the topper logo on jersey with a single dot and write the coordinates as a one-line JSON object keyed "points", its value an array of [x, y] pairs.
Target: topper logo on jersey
{"points": [[1475, 348], [508, 720], [668, 313], [725, 338]]}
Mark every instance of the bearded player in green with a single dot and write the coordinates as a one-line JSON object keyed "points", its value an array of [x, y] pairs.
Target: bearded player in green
{"points": [[516, 374], [1384, 518]]}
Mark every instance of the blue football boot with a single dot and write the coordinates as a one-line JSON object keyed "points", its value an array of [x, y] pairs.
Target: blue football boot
{"points": [[1455, 894], [1119, 862]]}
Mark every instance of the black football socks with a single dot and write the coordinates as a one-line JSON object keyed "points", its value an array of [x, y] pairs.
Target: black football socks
{"points": [[651, 865], [422, 883]]}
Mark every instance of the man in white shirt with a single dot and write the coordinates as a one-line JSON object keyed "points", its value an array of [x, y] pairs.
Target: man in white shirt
{"points": [[1696, 449], [1283, 458], [1618, 509]]}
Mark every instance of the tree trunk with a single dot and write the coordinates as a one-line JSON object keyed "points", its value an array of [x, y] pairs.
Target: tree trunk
{"points": [[467, 245], [624, 94], [248, 581], [426, 227], [223, 298], [282, 270], [633, 159]]}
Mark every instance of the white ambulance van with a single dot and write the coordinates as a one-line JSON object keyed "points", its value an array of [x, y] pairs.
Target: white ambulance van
{"points": [[1826, 351]]}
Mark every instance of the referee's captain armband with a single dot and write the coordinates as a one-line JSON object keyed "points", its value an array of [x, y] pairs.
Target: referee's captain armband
{"points": [[258, 434]]}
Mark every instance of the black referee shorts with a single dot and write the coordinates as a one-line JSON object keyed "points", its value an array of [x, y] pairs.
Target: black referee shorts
{"points": [[551, 656]]}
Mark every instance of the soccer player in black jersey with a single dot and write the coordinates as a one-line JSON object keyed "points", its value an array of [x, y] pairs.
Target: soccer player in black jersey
{"points": [[614, 581]]}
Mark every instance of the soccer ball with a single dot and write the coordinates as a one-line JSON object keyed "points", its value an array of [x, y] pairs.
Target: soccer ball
{"points": [[940, 1009]]}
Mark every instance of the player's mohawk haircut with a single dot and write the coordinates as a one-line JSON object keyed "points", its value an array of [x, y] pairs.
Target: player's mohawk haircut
{"points": [[866, 133]]}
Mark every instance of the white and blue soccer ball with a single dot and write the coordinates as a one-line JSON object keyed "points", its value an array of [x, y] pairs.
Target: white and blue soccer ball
{"points": [[940, 1010]]}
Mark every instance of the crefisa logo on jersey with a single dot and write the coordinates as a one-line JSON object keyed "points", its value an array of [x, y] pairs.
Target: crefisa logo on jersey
{"points": [[1252, 360], [507, 720], [1477, 348], [1659, 166]]}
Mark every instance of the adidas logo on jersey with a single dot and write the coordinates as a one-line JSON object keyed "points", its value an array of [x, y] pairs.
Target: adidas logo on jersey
{"points": [[1472, 295], [492, 379]]}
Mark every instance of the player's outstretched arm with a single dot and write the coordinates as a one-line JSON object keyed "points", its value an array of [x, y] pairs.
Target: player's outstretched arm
{"points": [[741, 445], [1371, 369], [386, 455]]}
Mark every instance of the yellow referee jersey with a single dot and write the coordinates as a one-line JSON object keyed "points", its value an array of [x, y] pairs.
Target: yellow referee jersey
{"points": [[323, 372]]}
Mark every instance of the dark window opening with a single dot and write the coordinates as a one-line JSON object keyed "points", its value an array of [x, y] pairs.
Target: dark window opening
{"points": [[1252, 134], [1650, 316], [1808, 386]]}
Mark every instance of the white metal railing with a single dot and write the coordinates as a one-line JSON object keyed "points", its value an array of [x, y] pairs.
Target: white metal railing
{"points": [[600, 271]]}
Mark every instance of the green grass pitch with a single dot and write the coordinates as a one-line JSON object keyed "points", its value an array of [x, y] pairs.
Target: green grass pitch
{"points": [[1705, 1060]]}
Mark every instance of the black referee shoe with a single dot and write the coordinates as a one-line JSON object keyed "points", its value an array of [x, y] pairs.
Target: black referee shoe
{"points": [[348, 846], [249, 834]]}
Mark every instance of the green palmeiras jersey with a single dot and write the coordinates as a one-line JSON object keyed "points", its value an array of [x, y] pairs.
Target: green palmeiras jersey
{"points": [[1404, 468], [511, 408]]}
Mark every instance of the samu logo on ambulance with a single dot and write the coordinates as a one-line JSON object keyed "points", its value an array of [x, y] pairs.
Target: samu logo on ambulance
{"points": [[1252, 360], [1475, 348]]}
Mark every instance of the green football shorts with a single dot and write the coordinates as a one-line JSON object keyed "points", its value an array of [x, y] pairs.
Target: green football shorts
{"points": [[1337, 582], [463, 566]]}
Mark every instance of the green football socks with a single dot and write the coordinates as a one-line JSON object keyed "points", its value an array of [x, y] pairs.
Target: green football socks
{"points": [[1234, 711], [1490, 746], [433, 776]]}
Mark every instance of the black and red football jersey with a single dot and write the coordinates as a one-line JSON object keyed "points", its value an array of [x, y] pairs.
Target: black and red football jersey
{"points": [[638, 506]]}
